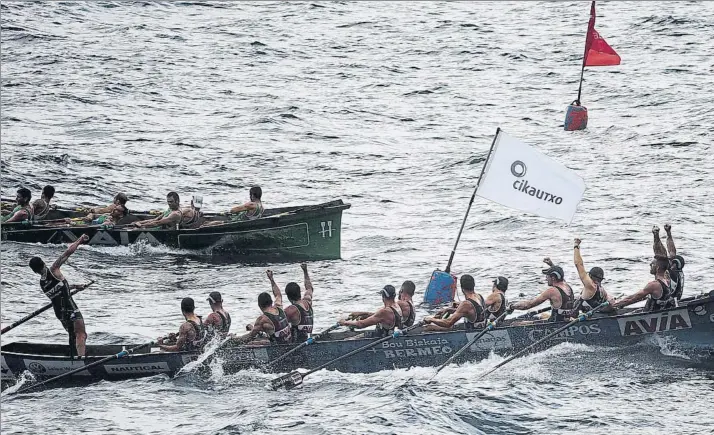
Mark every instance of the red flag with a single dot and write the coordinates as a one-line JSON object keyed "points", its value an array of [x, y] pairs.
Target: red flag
{"points": [[597, 51]]}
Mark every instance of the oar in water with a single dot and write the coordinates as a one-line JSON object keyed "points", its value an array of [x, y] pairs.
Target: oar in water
{"points": [[119, 355], [295, 378], [488, 328], [580, 318], [39, 311], [303, 344]]}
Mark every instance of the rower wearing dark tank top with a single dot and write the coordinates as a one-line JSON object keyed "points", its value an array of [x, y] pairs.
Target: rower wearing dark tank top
{"points": [[471, 309], [386, 319], [558, 293], [300, 312], [219, 321], [273, 321]]}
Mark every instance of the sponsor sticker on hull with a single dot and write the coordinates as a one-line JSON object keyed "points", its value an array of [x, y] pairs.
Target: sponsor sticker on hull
{"points": [[54, 368], [412, 347], [122, 369], [573, 331], [664, 321], [492, 340]]}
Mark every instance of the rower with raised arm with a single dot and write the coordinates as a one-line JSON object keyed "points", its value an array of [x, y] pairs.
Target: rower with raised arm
{"points": [[41, 207], [471, 309], [119, 199], [55, 286], [385, 319], [170, 218], [191, 335], [406, 293], [676, 262], [273, 321], [23, 211], [593, 293], [559, 294], [300, 314]]}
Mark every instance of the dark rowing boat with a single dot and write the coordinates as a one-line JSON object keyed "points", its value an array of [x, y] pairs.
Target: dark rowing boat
{"points": [[688, 329], [310, 232]]}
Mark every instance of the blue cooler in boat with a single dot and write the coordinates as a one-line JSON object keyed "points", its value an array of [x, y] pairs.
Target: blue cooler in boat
{"points": [[441, 288]]}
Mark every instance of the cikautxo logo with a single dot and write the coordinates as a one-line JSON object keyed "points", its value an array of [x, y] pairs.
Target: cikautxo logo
{"points": [[518, 169]]}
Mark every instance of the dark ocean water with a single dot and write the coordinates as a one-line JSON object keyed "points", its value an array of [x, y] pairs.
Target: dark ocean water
{"points": [[392, 107]]}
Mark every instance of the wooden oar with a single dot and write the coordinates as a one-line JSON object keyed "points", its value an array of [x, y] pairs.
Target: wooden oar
{"points": [[40, 310], [488, 328], [580, 318], [303, 344], [119, 355], [295, 378]]}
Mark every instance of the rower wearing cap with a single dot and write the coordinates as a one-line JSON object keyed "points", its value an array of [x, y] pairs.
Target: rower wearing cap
{"points": [[273, 322], [219, 321], [41, 207], [191, 335], [191, 217], [119, 199], [385, 319], [496, 303], [676, 262], [300, 314], [406, 293], [471, 309], [558, 293], [593, 293], [23, 211]]}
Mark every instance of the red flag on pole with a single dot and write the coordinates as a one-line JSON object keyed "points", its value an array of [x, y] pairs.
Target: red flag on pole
{"points": [[597, 51]]}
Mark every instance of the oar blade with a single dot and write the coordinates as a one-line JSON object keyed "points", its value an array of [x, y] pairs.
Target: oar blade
{"points": [[289, 381]]}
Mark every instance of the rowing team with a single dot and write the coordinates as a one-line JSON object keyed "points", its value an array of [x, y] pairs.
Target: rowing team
{"points": [[174, 217], [294, 324]]}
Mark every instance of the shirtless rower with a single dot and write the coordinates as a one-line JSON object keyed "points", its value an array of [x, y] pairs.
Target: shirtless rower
{"points": [[593, 293], [252, 209], [55, 286], [559, 294], [219, 321], [41, 206], [23, 211], [273, 321], [385, 319], [676, 262], [300, 314], [471, 309], [406, 293], [169, 219], [657, 292], [119, 199], [191, 335]]}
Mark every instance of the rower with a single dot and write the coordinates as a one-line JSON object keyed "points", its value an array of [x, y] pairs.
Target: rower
{"points": [[23, 211], [471, 309], [106, 220], [406, 292], [386, 319], [252, 209], [676, 263], [191, 335], [219, 321], [273, 322], [558, 293], [657, 291], [300, 314], [41, 207], [593, 294], [55, 286], [119, 199], [496, 303], [191, 217], [170, 219]]}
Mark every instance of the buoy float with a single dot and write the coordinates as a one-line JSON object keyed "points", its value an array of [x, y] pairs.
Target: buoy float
{"points": [[441, 288], [576, 117]]}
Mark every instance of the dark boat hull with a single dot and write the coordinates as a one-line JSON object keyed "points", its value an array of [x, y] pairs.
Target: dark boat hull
{"points": [[688, 329], [294, 233]]}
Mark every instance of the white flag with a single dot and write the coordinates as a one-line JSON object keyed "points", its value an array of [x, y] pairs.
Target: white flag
{"points": [[518, 176]]}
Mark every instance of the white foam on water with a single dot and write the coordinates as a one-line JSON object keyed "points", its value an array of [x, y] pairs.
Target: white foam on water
{"points": [[26, 378]]}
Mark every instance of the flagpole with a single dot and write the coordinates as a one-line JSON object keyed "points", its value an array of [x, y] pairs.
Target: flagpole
{"points": [[580, 88], [453, 251], [585, 53]]}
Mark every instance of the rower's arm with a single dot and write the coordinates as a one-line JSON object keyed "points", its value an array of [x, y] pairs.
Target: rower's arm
{"points": [[244, 207], [308, 284], [372, 320], [172, 218], [73, 247], [670, 241], [278, 297], [657, 245], [258, 327], [580, 266], [102, 210], [360, 314], [180, 341], [20, 216], [451, 320], [636, 297], [527, 305]]}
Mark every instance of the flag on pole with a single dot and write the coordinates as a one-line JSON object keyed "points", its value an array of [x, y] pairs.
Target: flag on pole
{"points": [[519, 176], [597, 51]]}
